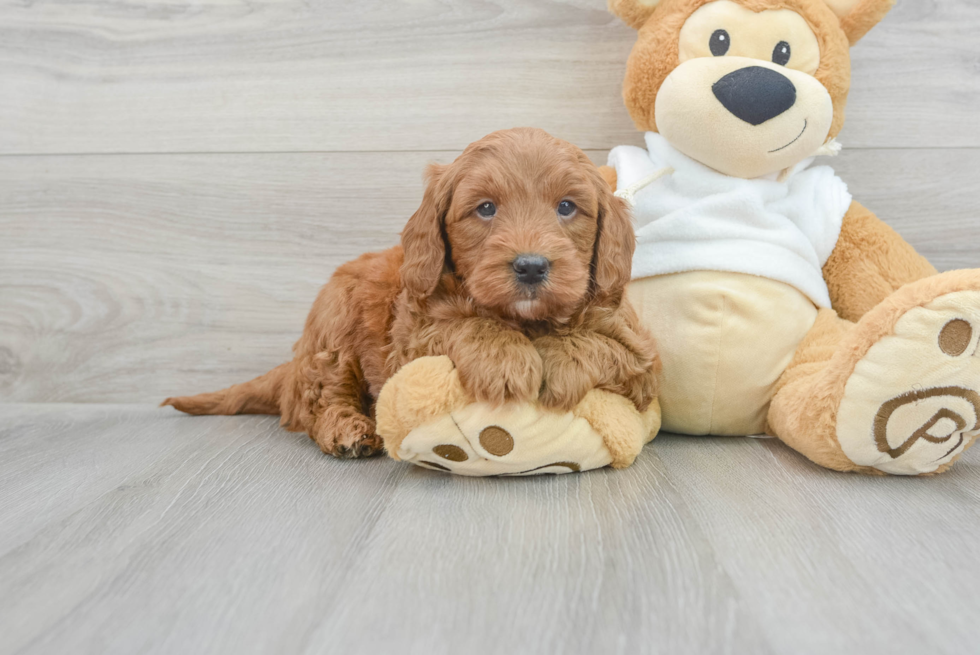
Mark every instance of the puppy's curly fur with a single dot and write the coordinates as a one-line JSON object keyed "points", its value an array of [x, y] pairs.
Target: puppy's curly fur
{"points": [[451, 289]]}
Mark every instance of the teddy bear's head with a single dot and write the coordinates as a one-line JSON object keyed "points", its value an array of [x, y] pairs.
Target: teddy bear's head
{"points": [[747, 87]]}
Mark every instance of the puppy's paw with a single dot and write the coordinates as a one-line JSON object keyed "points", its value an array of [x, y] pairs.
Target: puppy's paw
{"points": [[568, 375], [565, 384], [346, 434], [511, 370], [641, 389]]}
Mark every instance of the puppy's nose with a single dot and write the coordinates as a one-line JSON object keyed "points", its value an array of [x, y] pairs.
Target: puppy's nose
{"points": [[531, 269], [755, 94]]}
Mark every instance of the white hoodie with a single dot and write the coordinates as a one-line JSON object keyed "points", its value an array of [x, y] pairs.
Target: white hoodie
{"points": [[697, 219]]}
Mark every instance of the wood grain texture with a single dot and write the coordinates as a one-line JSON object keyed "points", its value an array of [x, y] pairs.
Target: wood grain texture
{"points": [[131, 278], [298, 75], [232, 537], [130, 529], [864, 557]]}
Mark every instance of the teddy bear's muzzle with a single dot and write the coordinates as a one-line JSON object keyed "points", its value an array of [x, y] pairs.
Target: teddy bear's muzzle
{"points": [[741, 116]]}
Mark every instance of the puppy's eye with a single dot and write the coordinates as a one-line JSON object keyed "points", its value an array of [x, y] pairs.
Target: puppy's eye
{"points": [[720, 43], [487, 210], [782, 53], [567, 209]]}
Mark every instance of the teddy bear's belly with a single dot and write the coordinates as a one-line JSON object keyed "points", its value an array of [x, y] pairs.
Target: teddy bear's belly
{"points": [[725, 339]]}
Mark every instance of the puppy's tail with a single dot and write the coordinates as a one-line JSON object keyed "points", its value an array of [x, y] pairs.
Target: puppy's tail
{"points": [[259, 396]]}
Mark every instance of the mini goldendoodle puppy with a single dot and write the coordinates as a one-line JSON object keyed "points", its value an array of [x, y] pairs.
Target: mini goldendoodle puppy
{"points": [[514, 267]]}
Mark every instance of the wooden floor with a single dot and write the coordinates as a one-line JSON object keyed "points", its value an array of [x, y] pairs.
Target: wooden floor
{"points": [[176, 181], [127, 529]]}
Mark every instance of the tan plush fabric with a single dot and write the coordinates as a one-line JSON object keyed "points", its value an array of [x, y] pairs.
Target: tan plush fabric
{"points": [[425, 418], [847, 377], [753, 34], [624, 430], [690, 117], [633, 12], [800, 414], [522, 441], [861, 16], [842, 7], [725, 340], [869, 262], [920, 400], [417, 394]]}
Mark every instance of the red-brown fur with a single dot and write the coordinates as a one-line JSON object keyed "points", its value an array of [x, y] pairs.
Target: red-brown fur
{"points": [[449, 289]]}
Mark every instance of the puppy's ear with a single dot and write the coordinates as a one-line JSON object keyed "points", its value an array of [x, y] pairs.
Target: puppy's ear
{"points": [[612, 261], [633, 12], [857, 17], [422, 238]]}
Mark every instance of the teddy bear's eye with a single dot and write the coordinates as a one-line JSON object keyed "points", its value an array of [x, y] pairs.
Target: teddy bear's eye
{"points": [[720, 43], [782, 53]]}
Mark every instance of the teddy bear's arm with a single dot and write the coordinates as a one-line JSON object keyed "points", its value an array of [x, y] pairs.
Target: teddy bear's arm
{"points": [[869, 262]]}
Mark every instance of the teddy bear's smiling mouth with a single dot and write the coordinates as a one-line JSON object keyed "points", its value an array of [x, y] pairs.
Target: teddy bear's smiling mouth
{"points": [[805, 124]]}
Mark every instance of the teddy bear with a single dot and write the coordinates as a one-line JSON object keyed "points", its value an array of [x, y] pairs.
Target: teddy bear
{"points": [[781, 306]]}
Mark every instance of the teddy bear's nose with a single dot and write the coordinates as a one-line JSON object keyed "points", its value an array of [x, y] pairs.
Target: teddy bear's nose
{"points": [[755, 94]]}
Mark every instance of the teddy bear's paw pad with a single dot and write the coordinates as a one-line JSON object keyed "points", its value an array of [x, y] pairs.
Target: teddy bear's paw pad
{"points": [[514, 440], [556, 468], [912, 404]]}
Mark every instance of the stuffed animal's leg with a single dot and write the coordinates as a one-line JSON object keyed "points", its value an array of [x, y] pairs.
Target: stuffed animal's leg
{"points": [[869, 263], [427, 418], [897, 392]]}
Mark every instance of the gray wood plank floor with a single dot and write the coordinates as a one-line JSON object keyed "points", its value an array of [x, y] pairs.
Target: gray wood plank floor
{"points": [[128, 529]]}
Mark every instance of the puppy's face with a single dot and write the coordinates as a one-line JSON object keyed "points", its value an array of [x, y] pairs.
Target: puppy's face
{"points": [[522, 216], [522, 225]]}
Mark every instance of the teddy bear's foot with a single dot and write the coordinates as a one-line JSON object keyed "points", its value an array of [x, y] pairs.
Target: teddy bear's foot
{"points": [[912, 405], [515, 439], [427, 419], [898, 392]]}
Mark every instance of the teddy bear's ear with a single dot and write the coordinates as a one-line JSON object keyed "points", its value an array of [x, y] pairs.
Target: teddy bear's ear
{"points": [[857, 17], [633, 12]]}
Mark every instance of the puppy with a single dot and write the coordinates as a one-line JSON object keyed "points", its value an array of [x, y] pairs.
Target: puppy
{"points": [[514, 266]]}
